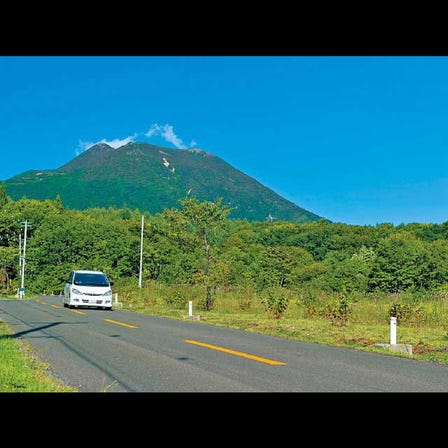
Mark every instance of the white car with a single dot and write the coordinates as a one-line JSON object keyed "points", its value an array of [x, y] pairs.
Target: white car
{"points": [[85, 288]]}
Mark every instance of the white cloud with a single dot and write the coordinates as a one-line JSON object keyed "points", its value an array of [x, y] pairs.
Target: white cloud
{"points": [[115, 143], [167, 132], [153, 130], [82, 146], [169, 135]]}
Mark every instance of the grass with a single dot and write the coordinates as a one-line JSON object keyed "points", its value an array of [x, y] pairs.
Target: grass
{"points": [[306, 318], [424, 325], [20, 368], [428, 344]]}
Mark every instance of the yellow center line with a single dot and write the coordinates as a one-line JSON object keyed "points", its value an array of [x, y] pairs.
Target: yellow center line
{"points": [[233, 352], [120, 323], [56, 306], [77, 312]]}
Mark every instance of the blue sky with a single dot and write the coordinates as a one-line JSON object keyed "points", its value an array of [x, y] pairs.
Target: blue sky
{"points": [[354, 139]]}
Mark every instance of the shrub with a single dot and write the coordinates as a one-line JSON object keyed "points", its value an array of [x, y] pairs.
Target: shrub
{"points": [[177, 297], [399, 310], [311, 302], [339, 311], [275, 302]]}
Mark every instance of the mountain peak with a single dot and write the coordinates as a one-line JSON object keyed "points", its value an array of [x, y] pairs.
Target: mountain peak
{"points": [[99, 147], [152, 178]]}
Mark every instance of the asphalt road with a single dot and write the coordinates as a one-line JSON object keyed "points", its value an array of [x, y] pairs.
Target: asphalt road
{"points": [[120, 351]]}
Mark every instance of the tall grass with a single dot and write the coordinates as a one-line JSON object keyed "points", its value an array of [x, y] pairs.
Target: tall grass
{"points": [[422, 309], [309, 315]]}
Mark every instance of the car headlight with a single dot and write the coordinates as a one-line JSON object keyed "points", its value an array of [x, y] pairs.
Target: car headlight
{"points": [[108, 293], [77, 291]]}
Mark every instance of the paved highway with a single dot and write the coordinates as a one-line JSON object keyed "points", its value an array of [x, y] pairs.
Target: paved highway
{"points": [[120, 351]]}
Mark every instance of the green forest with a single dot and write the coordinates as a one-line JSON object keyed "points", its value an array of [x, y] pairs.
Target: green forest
{"points": [[197, 245]]}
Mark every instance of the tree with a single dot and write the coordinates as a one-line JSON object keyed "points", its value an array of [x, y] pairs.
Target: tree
{"points": [[347, 272], [402, 262], [282, 265], [4, 198], [205, 218], [8, 267]]}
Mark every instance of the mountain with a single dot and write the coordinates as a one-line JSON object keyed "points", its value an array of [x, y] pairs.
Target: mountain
{"points": [[152, 178]]}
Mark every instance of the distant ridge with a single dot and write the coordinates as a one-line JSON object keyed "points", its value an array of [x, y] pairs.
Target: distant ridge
{"points": [[152, 178]]}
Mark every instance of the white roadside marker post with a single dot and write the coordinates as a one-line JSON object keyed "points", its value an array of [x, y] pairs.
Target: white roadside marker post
{"points": [[190, 311], [393, 330]]}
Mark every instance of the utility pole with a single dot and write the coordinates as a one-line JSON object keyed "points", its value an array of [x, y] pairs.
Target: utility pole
{"points": [[141, 255], [22, 262], [20, 251]]}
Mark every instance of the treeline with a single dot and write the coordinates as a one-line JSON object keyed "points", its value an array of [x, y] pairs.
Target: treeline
{"points": [[197, 244]]}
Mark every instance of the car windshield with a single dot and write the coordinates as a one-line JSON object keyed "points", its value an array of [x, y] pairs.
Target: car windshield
{"points": [[90, 279]]}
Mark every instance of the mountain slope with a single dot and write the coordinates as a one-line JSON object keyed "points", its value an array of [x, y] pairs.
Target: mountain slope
{"points": [[152, 178]]}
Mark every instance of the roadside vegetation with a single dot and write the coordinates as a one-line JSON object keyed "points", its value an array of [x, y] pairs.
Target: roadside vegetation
{"points": [[353, 321], [21, 370], [322, 282]]}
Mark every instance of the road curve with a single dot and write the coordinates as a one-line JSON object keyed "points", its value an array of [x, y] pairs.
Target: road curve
{"points": [[121, 351]]}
